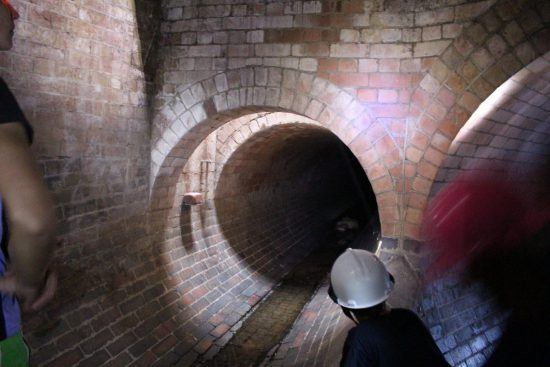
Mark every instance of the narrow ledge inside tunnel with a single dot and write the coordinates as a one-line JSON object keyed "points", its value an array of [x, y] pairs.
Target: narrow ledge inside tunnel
{"points": [[281, 194]]}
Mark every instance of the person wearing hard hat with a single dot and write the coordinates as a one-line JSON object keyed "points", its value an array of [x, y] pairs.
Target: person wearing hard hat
{"points": [[382, 337], [27, 218]]}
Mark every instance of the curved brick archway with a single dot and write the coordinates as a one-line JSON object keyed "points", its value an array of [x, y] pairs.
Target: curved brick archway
{"points": [[506, 137], [508, 132], [492, 49], [204, 106], [271, 120], [220, 279]]}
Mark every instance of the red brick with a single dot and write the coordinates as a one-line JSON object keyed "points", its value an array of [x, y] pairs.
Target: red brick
{"points": [[376, 170], [220, 330], [437, 111], [396, 171], [390, 229], [446, 97], [311, 49], [455, 83], [427, 170], [328, 65], [392, 158], [390, 80], [413, 216], [441, 142], [121, 343], [389, 214], [419, 140], [204, 345], [412, 231], [374, 132], [396, 127], [422, 185], [367, 95], [347, 65], [385, 145], [254, 299], [353, 7], [421, 98], [97, 359], [165, 345], [428, 125], [69, 358], [368, 156], [390, 110], [416, 200], [97, 341], [350, 79], [410, 170], [145, 360], [123, 359], [413, 154], [387, 96], [312, 35], [433, 156], [404, 96], [382, 184]]}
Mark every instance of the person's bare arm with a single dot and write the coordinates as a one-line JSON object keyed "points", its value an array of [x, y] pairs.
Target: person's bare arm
{"points": [[30, 215]]}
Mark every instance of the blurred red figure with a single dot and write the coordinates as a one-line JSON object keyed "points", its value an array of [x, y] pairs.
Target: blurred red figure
{"points": [[497, 231], [477, 213]]}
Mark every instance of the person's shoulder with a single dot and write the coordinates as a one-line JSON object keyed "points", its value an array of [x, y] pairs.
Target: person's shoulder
{"points": [[404, 313], [358, 336], [367, 328]]}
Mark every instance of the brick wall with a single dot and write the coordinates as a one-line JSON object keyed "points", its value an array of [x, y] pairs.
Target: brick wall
{"points": [[464, 320], [76, 71], [508, 133], [394, 82], [506, 137], [415, 73]]}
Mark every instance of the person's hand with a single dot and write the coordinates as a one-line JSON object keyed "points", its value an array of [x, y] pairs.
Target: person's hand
{"points": [[32, 299]]}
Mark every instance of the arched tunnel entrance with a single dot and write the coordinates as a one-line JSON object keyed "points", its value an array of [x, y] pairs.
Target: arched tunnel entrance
{"points": [[281, 190], [279, 206]]}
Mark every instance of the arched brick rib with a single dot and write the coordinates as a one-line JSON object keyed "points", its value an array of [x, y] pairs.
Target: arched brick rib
{"points": [[204, 106], [496, 46]]}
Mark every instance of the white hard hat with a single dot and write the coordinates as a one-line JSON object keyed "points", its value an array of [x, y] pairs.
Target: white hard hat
{"points": [[360, 280]]}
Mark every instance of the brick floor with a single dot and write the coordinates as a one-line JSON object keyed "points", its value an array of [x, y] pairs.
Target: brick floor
{"points": [[263, 331]]}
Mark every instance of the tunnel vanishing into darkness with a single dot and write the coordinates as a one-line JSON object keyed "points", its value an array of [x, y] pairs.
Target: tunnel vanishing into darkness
{"points": [[282, 190]]}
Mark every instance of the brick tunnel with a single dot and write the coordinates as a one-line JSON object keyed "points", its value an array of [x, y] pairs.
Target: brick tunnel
{"points": [[202, 153]]}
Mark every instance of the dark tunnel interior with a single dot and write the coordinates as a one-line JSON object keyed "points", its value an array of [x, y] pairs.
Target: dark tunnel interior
{"points": [[284, 189]]}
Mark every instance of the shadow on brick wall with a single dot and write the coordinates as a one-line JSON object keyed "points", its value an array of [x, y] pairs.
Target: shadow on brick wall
{"points": [[149, 15]]}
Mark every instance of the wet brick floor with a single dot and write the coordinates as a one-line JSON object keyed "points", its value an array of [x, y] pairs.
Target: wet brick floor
{"points": [[272, 319]]}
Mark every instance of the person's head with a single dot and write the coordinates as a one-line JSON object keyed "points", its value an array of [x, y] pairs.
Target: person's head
{"points": [[8, 15], [360, 283]]}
